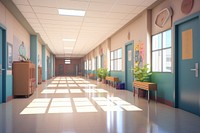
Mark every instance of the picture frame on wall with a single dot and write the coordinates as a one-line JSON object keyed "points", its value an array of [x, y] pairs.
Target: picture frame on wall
{"points": [[9, 56]]}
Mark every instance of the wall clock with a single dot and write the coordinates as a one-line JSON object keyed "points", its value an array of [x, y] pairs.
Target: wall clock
{"points": [[186, 6], [163, 16]]}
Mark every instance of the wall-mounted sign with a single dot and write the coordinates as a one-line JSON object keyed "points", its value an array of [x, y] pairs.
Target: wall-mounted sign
{"points": [[187, 6], [163, 16]]}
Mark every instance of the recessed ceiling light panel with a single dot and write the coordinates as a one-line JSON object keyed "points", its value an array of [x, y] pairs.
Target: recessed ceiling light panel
{"points": [[69, 40], [71, 12]]}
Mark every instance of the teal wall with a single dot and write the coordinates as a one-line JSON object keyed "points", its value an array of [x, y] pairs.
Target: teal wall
{"points": [[34, 54], [165, 83], [44, 59], [51, 65], [119, 74], [9, 86]]}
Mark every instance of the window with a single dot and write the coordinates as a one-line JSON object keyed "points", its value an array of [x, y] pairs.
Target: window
{"points": [[90, 65], [116, 60], [67, 61], [85, 65], [161, 52]]}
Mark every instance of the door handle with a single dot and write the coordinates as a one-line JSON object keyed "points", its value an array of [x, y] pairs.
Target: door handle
{"points": [[196, 69]]}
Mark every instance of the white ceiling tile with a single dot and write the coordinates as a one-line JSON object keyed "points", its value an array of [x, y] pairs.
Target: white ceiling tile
{"points": [[45, 10], [44, 3], [32, 21], [76, 5], [104, 7], [21, 2], [25, 8], [96, 14], [122, 8], [130, 2], [104, 1], [29, 15], [138, 10], [116, 15], [148, 2]]}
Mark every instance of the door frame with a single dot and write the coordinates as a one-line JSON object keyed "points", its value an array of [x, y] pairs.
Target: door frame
{"points": [[125, 58], [4, 61], [176, 24]]}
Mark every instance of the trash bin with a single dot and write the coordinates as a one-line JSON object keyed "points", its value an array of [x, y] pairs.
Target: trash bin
{"points": [[120, 85]]}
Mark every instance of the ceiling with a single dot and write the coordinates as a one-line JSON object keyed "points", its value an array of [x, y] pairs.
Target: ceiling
{"points": [[102, 19]]}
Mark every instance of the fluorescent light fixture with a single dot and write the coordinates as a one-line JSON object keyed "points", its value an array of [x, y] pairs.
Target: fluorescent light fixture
{"points": [[69, 40], [71, 12]]}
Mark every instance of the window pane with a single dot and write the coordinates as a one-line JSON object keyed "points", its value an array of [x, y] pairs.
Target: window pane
{"points": [[167, 60], [167, 39], [112, 65], [156, 42], [115, 64], [119, 64], [156, 61], [112, 55], [115, 54], [120, 53]]}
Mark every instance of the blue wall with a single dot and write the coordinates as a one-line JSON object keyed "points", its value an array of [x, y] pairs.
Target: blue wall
{"points": [[119, 74], [34, 54], [51, 65], [44, 59], [9, 86], [165, 82]]}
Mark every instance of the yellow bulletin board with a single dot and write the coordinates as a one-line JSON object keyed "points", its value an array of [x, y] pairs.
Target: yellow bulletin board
{"points": [[187, 45]]}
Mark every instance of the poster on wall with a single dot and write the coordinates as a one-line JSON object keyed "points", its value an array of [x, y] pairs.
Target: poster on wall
{"points": [[129, 55], [16, 44], [10, 56], [139, 54]]}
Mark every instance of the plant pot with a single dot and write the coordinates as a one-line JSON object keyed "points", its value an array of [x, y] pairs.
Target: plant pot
{"points": [[99, 80]]}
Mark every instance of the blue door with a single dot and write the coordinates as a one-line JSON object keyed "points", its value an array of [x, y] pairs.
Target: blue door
{"points": [[188, 80], [129, 66], [2, 66], [1, 55]]}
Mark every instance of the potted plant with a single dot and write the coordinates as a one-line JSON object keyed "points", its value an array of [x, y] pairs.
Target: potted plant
{"points": [[104, 74], [141, 74], [99, 74]]}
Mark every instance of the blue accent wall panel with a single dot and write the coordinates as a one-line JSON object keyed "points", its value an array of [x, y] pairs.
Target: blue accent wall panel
{"points": [[51, 65], [44, 74], [165, 83], [9, 86], [119, 74], [34, 53]]}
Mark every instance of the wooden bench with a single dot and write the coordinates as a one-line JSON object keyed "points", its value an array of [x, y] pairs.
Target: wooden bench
{"points": [[148, 86], [91, 76], [111, 79]]}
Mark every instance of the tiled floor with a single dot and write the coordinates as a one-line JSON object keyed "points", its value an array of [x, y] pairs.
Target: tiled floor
{"points": [[76, 105]]}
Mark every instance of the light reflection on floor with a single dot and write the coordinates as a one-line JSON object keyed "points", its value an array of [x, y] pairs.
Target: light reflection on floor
{"points": [[62, 85]]}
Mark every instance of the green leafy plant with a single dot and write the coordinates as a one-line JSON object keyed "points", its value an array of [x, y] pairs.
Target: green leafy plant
{"points": [[102, 73], [141, 73], [99, 73]]}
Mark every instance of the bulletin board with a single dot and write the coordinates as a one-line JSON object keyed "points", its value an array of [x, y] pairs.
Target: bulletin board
{"points": [[139, 54]]}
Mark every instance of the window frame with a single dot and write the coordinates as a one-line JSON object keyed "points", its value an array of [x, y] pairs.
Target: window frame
{"points": [[161, 50], [115, 59], [67, 62]]}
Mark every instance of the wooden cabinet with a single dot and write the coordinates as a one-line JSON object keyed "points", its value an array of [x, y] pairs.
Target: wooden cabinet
{"points": [[24, 82], [39, 75]]}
